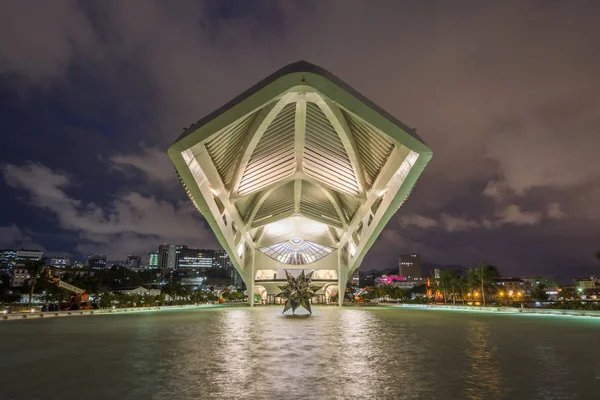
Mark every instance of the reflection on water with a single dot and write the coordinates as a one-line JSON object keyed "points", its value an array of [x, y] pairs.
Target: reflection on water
{"points": [[484, 377], [358, 353], [550, 373]]}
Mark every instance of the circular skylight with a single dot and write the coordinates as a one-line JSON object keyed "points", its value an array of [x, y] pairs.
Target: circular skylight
{"points": [[296, 251]]}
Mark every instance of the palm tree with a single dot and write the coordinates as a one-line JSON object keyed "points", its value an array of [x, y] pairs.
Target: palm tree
{"points": [[463, 287], [444, 283], [35, 271], [455, 286], [472, 283], [486, 273]]}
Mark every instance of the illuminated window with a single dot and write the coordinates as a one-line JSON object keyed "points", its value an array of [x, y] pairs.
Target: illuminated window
{"points": [[296, 252]]}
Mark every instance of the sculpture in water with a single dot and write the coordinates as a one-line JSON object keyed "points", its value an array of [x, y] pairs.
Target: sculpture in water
{"points": [[298, 292]]}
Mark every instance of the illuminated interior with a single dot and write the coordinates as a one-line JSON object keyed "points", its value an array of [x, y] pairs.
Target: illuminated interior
{"points": [[296, 251], [279, 274]]}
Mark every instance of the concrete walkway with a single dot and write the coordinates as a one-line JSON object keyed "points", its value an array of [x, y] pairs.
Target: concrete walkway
{"points": [[504, 310], [104, 311]]}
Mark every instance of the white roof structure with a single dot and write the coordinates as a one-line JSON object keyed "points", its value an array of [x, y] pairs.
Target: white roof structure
{"points": [[298, 172]]}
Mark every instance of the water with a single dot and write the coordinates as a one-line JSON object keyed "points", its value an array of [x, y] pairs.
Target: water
{"points": [[348, 353]]}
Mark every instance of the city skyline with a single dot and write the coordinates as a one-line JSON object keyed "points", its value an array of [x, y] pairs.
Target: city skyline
{"points": [[513, 127]]}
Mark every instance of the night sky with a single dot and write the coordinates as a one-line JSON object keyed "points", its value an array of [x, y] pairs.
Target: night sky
{"points": [[505, 93]]}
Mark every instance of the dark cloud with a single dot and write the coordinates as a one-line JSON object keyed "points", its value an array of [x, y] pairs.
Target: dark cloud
{"points": [[125, 225], [505, 93]]}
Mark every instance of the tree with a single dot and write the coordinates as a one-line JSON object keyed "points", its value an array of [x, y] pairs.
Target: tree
{"points": [[463, 287], [486, 274], [236, 296], [35, 271], [450, 284], [455, 285], [539, 294], [472, 283], [444, 284]]}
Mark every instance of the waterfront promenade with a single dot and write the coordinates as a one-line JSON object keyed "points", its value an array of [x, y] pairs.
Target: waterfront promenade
{"points": [[433, 307]]}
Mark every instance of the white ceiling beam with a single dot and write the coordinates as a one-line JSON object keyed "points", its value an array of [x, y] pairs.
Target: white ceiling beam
{"points": [[300, 131], [297, 195], [384, 178], [334, 200], [297, 175], [391, 166], [255, 133], [261, 199], [339, 123], [214, 179]]}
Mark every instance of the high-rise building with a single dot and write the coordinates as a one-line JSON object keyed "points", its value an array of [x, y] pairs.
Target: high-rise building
{"points": [[26, 256], [221, 259], [60, 262], [410, 266], [96, 261], [196, 258], [133, 261], [152, 261], [7, 261], [163, 256], [168, 255]]}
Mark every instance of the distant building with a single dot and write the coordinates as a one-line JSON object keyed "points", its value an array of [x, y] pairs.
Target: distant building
{"points": [[221, 259], [7, 261], [552, 292], [168, 255], [585, 283], [27, 256], [133, 261], [163, 256], [138, 290], [540, 280], [513, 286], [198, 258], [96, 261], [591, 293], [19, 276], [410, 267], [152, 261], [354, 279], [60, 262], [398, 281]]}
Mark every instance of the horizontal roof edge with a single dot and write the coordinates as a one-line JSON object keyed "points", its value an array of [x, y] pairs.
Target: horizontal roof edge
{"points": [[297, 67]]}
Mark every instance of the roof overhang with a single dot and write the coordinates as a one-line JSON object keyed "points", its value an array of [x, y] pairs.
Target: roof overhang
{"points": [[336, 182]]}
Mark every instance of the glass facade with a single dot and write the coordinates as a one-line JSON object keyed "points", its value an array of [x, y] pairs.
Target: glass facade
{"points": [[196, 258], [153, 260]]}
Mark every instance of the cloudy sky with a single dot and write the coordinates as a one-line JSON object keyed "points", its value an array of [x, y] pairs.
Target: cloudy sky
{"points": [[506, 94]]}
